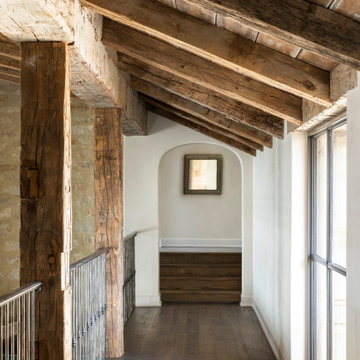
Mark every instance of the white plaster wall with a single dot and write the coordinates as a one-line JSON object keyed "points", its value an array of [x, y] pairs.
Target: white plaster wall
{"points": [[198, 220], [142, 159], [353, 225], [272, 243]]}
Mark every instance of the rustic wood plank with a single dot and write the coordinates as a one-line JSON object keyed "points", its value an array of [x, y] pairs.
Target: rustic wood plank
{"points": [[201, 112], [198, 270], [10, 49], [108, 175], [45, 190], [233, 109], [9, 78], [205, 124], [232, 258], [225, 48], [326, 32], [9, 62], [200, 283], [201, 129], [201, 71]]}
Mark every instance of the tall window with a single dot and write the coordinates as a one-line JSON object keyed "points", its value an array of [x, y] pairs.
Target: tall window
{"points": [[328, 244]]}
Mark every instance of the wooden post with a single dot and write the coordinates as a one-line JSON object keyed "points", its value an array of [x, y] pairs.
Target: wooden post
{"points": [[109, 219], [45, 187]]}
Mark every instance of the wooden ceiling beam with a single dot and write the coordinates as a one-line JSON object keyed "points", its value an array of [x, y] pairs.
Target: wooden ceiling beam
{"points": [[299, 22], [200, 129], [232, 109], [201, 71], [219, 45], [202, 123], [201, 112]]}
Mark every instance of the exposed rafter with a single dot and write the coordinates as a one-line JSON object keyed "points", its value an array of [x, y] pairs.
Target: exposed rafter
{"points": [[201, 112], [200, 129], [326, 33], [201, 71], [229, 107], [225, 48], [204, 124]]}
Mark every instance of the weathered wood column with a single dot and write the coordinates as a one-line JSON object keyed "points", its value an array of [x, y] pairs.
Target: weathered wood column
{"points": [[109, 219], [45, 185]]}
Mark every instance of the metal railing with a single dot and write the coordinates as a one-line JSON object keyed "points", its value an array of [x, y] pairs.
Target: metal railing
{"points": [[129, 276], [88, 282], [17, 323]]}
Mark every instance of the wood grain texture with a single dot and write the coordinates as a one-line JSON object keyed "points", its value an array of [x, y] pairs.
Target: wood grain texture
{"points": [[232, 109], [205, 124], [205, 131], [201, 112], [10, 49], [201, 71], [196, 332], [326, 33], [108, 168], [45, 190], [225, 48]]}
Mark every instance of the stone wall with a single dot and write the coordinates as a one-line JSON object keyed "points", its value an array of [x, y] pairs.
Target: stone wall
{"points": [[82, 183]]}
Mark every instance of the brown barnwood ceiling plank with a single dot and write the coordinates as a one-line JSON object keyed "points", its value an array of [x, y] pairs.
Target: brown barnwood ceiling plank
{"points": [[201, 71], [200, 129], [10, 49], [9, 62], [204, 124], [233, 109], [10, 72], [299, 22], [201, 112], [7, 78], [45, 191], [218, 45]]}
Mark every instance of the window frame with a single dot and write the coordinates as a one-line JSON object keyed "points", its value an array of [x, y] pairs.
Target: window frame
{"points": [[313, 257]]}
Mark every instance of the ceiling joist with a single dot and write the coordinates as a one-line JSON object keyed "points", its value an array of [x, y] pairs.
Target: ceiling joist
{"points": [[200, 129], [201, 112], [233, 109], [221, 46], [326, 33], [202, 72]]}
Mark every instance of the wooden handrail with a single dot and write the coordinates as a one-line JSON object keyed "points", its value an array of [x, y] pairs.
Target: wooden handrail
{"points": [[5, 299]]}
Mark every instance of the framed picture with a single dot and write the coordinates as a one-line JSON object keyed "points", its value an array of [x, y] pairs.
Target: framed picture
{"points": [[202, 174]]}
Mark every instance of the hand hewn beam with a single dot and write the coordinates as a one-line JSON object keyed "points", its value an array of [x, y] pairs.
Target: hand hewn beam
{"points": [[204, 124], [200, 129], [229, 107], [343, 79], [108, 168], [222, 47], [201, 112], [326, 33], [45, 191], [201, 71]]}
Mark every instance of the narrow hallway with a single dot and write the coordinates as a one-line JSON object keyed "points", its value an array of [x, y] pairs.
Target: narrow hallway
{"points": [[195, 332]]}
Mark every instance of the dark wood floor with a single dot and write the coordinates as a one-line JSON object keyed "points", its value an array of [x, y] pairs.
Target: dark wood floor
{"points": [[195, 332]]}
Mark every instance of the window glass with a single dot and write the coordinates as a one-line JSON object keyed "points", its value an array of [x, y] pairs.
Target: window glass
{"points": [[321, 311], [339, 196], [339, 316], [321, 195]]}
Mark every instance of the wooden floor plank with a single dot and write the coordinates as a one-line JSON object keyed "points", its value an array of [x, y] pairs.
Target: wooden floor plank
{"points": [[195, 332]]}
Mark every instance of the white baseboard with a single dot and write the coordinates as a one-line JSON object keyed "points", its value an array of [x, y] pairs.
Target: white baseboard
{"points": [[272, 342], [200, 243], [246, 301], [148, 301]]}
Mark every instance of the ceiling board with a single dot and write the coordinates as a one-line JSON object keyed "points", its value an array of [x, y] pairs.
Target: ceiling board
{"points": [[236, 27], [317, 60], [279, 45], [350, 8]]}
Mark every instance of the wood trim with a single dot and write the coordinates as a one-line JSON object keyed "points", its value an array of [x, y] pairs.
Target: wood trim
{"points": [[202, 72], [201, 129], [232, 109], [108, 174], [45, 191]]}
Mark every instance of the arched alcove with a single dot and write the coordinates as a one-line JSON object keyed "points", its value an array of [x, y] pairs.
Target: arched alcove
{"points": [[199, 221]]}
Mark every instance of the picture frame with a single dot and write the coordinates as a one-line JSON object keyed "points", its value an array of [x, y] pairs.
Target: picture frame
{"points": [[203, 174]]}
